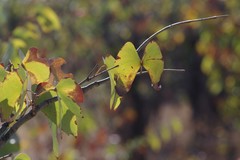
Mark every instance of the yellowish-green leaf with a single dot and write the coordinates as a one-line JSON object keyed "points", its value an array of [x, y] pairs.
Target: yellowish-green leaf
{"points": [[22, 156], [128, 63], [115, 98], [10, 91], [152, 62], [71, 95], [153, 140], [48, 19], [37, 67], [26, 32], [55, 139]]}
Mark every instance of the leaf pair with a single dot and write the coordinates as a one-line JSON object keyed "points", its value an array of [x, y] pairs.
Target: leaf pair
{"points": [[128, 64]]}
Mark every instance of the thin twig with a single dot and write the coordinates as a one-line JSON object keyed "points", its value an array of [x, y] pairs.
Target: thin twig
{"points": [[99, 82], [89, 74], [6, 156], [89, 78], [104, 71], [176, 24]]}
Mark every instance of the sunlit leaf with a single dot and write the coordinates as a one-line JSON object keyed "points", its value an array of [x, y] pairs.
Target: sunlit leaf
{"points": [[128, 63], [38, 68], [52, 111], [152, 62], [68, 87], [11, 89], [115, 98], [22, 156]]}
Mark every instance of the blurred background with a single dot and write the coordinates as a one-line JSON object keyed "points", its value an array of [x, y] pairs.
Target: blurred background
{"points": [[195, 115]]}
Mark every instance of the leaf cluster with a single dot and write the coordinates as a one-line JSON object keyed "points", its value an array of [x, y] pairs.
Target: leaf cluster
{"points": [[32, 82]]}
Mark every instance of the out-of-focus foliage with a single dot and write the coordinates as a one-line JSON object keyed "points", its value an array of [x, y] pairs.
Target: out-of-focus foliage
{"points": [[12, 146], [209, 51], [22, 156]]}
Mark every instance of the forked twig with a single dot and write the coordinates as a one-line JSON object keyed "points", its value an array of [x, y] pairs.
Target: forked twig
{"points": [[98, 73], [89, 74]]}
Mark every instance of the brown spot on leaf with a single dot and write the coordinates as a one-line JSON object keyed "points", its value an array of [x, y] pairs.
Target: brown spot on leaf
{"points": [[56, 69], [118, 57], [77, 94], [44, 86]]}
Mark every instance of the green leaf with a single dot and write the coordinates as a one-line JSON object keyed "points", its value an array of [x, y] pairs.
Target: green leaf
{"points": [[12, 87], [55, 139], [22, 156], [38, 68], [11, 146], [152, 62], [66, 118], [128, 63], [115, 98]]}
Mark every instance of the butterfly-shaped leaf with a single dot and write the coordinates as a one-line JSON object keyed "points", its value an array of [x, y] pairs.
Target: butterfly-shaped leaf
{"points": [[37, 67], [128, 63], [153, 63], [115, 98]]}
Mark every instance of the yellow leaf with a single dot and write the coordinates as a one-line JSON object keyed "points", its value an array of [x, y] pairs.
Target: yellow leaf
{"points": [[10, 91], [38, 68], [128, 63], [152, 62]]}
